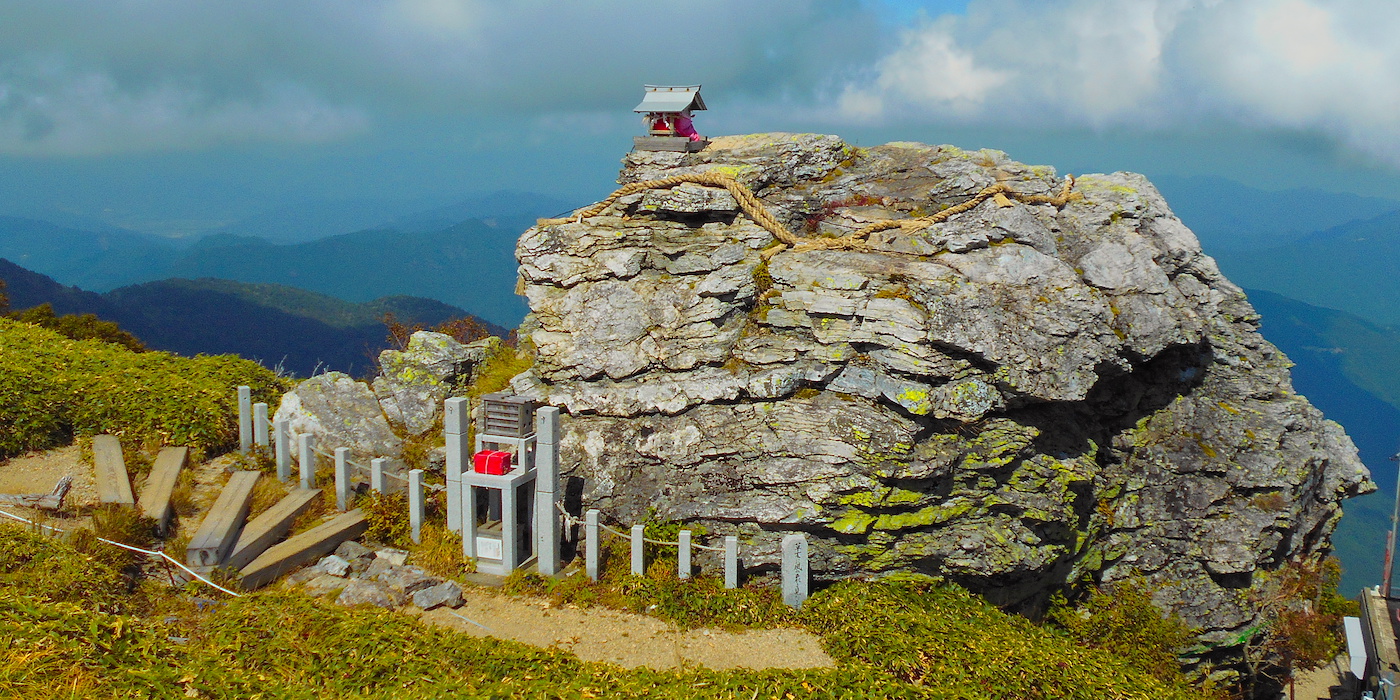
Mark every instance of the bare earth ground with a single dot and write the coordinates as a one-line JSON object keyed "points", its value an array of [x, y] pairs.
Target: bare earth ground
{"points": [[596, 634], [37, 472], [1317, 684], [629, 640]]}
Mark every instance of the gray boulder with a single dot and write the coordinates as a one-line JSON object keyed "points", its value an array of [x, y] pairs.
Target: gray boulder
{"points": [[413, 382], [334, 565], [1014, 398], [340, 412], [447, 593], [408, 579], [365, 592]]}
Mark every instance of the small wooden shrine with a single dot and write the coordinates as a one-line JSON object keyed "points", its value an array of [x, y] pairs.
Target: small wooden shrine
{"points": [[667, 111]]}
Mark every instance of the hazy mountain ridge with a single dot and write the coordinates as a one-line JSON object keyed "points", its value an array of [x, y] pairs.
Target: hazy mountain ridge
{"points": [[461, 254], [277, 325]]}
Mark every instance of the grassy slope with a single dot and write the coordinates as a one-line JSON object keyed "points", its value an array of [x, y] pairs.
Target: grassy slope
{"points": [[53, 388], [889, 640]]}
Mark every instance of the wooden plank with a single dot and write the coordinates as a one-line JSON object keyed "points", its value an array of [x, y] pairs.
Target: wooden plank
{"points": [[155, 495], [272, 525], [1377, 615], [113, 483], [304, 548], [45, 501], [222, 524]]}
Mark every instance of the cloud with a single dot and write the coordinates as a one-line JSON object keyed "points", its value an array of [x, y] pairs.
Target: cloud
{"points": [[1330, 67], [87, 76]]}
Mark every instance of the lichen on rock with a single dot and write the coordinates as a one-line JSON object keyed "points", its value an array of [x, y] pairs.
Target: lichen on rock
{"points": [[1011, 399]]}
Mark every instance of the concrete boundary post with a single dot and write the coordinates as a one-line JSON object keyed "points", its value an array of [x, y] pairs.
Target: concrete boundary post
{"points": [[731, 561], [456, 424], [282, 443], [638, 556], [415, 503], [683, 558], [548, 528], [795, 569], [342, 478], [260, 424], [306, 447], [591, 543], [376, 474], [245, 419]]}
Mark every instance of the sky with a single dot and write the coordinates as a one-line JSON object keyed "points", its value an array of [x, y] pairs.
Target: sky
{"points": [[180, 116]]}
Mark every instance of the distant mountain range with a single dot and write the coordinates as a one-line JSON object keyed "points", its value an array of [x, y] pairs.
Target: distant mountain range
{"points": [[280, 326], [1227, 215], [1346, 367], [440, 253]]}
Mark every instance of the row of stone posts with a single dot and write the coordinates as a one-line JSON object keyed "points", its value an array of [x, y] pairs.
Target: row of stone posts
{"points": [[546, 522]]}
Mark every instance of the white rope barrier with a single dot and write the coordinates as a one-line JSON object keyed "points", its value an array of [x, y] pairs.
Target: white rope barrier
{"points": [[571, 520], [149, 552]]}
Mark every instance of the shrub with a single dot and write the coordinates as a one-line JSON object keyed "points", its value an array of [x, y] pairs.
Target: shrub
{"points": [[1122, 620], [440, 553], [53, 389], [53, 570], [387, 515], [79, 326]]}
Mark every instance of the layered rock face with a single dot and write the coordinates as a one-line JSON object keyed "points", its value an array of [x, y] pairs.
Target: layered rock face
{"points": [[1014, 398]]}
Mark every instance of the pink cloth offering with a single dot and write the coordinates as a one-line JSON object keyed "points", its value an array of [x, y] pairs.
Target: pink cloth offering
{"points": [[684, 128]]}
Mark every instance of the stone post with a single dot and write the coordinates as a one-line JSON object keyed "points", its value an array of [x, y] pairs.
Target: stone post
{"points": [[638, 558], [683, 558], [245, 419], [342, 478], [467, 515], [547, 521], [306, 444], [376, 474], [795, 569], [283, 444], [260, 424], [456, 424], [591, 543], [731, 561], [415, 503]]}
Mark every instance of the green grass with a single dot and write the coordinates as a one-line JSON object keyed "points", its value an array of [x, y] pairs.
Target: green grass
{"points": [[889, 640], [53, 388]]}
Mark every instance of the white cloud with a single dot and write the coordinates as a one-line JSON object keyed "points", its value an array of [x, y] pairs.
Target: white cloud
{"points": [[143, 74], [47, 109], [1328, 66]]}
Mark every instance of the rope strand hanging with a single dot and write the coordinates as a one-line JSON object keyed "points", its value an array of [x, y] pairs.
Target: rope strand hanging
{"points": [[753, 206]]}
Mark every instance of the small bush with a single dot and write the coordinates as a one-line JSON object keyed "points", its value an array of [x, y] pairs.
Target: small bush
{"points": [[53, 570], [1122, 620], [387, 514], [440, 553], [182, 496]]}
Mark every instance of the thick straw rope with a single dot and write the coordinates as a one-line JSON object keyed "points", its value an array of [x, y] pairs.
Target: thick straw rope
{"points": [[754, 207]]}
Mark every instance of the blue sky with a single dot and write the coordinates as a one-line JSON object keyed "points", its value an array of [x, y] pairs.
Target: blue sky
{"points": [[177, 116]]}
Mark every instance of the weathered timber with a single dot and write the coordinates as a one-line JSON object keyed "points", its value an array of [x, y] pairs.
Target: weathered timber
{"points": [[222, 524], [113, 483], [304, 548], [261, 532], [155, 495], [52, 500]]}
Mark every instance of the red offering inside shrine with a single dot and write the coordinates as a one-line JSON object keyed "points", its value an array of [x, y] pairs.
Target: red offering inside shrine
{"points": [[496, 462]]}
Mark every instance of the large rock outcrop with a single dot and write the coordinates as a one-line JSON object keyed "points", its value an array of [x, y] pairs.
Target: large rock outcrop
{"points": [[1011, 399]]}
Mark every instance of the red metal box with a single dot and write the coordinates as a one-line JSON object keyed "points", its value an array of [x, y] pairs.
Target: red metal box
{"points": [[495, 462]]}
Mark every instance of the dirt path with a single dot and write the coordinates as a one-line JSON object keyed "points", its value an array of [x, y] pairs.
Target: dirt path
{"points": [[1317, 684], [625, 639], [37, 472]]}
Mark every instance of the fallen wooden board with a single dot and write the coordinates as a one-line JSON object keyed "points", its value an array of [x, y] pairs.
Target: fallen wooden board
{"points": [[155, 495], [304, 548], [52, 500], [222, 524], [261, 532], [113, 483]]}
